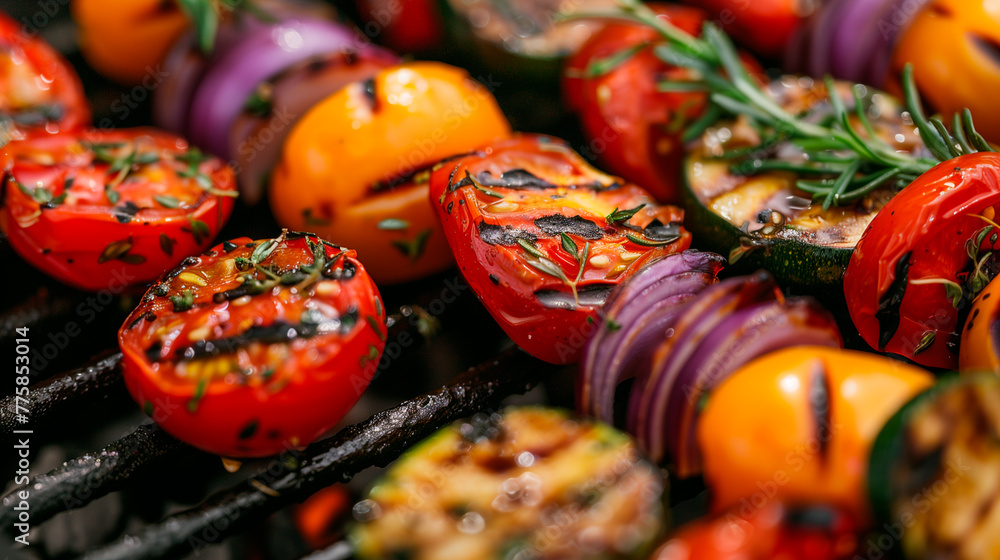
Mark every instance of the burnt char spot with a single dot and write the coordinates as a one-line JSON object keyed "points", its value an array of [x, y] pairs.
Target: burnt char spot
{"points": [[576, 225], [593, 295], [249, 430], [657, 231], [492, 234], [986, 45], [819, 405], [229, 246], [125, 212], [494, 279], [821, 518], [516, 179], [888, 305]]}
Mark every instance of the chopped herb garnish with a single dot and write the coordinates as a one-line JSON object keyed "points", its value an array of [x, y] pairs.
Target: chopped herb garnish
{"points": [[619, 216], [413, 248], [183, 302], [199, 392], [167, 201]]}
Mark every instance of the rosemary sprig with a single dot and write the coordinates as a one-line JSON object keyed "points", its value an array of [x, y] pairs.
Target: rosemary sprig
{"points": [[852, 157]]}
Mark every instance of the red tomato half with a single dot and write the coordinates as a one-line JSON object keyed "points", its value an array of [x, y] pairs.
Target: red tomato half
{"points": [[764, 26], [542, 237], [255, 347], [924, 258], [39, 90], [633, 128], [105, 210]]}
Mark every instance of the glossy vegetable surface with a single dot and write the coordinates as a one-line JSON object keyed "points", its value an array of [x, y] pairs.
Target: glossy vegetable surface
{"points": [[255, 347], [39, 91], [542, 237], [109, 210], [980, 346], [933, 471], [355, 167], [924, 258], [771, 531], [530, 482], [953, 46], [798, 425], [749, 207], [126, 40], [726, 326]]}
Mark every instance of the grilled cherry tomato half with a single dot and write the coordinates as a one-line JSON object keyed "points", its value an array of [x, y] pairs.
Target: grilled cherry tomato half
{"points": [[528, 483], [542, 237], [934, 471], [797, 425], [105, 210], [126, 40], [953, 45], [255, 347], [765, 530], [39, 90], [980, 348], [633, 127], [924, 257], [355, 167]]}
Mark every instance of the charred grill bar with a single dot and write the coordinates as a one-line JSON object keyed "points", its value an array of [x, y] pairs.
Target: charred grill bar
{"points": [[294, 476]]}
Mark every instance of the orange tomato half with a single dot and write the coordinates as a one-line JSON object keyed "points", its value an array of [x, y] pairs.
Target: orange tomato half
{"points": [[798, 425]]}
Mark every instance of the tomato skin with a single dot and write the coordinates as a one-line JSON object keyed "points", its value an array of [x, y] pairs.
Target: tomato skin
{"points": [[952, 46], [126, 40], [19, 92], [978, 351], [771, 532], [830, 405], [72, 241], [764, 26], [931, 219], [500, 271], [311, 385], [416, 114], [635, 129], [403, 25]]}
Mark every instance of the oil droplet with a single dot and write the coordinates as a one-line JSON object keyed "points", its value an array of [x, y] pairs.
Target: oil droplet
{"points": [[366, 511], [471, 523]]}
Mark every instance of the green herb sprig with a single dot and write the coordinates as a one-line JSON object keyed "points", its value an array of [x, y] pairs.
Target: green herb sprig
{"points": [[847, 161]]}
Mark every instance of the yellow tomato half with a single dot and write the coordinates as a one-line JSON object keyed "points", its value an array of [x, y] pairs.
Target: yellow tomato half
{"points": [[355, 167]]}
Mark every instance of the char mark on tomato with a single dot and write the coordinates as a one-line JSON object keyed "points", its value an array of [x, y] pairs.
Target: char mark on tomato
{"points": [[279, 332], [492, 234], [819, 406], [888, 306], [556, 224], [515, 179]]}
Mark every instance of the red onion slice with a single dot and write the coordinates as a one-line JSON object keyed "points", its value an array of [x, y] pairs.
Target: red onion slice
{"points": [[651, 393], [233, 77], [256, 137], [644, 307]]}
